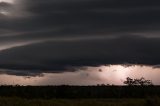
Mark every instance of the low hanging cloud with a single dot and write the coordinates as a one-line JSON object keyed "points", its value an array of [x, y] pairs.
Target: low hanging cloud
{"points": [[57, 55], [56, 34]]}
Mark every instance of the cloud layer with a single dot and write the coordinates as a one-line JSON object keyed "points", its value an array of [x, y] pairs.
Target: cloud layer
{"points": [[55, 34]]}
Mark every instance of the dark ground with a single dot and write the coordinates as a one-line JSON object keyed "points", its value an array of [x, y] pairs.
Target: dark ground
{"points": [[49, 92], [79, 95]]}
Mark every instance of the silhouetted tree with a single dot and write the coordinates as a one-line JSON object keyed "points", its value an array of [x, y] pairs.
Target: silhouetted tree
{"points": [[129, 81], [142, 82]]}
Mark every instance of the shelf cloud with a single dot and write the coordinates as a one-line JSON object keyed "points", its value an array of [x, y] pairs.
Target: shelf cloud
{"points": [[56, 34]]}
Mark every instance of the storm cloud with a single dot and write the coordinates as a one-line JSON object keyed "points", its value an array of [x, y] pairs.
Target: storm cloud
{"points": [[56, 34]]}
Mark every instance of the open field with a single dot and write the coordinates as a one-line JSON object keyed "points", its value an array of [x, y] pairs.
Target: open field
{"points": [[78, 102], [79, 95]]}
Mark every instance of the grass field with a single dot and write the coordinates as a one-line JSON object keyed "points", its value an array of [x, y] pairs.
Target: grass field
{"points": [[14, 101]]}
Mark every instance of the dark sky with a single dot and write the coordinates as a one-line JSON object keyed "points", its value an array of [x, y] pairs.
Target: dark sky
{"points": [[40, 35]]}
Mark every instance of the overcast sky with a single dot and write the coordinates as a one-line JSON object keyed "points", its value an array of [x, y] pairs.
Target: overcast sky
{"points": [[40, 35]]}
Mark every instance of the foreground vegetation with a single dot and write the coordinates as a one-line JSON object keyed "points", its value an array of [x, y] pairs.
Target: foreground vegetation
{"points": [[73, 92], [101, 95], [14, 101]]}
